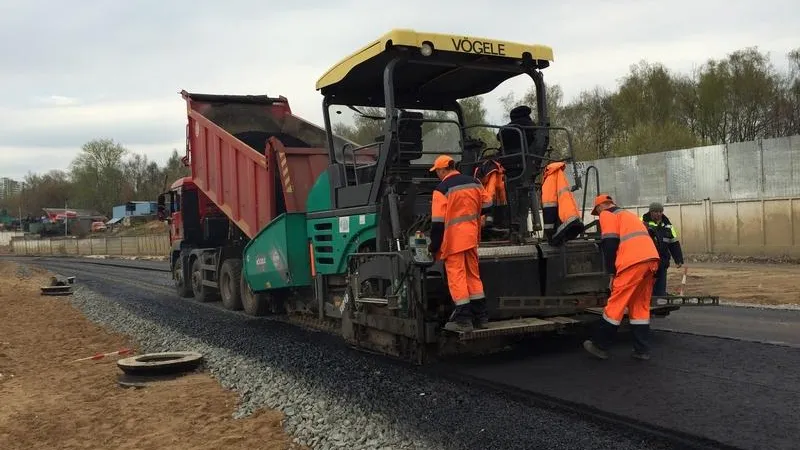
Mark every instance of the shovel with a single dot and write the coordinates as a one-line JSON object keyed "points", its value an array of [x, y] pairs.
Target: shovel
{"points": [[683, 281]]}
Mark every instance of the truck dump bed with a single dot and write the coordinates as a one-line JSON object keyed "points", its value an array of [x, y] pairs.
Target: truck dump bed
{"points": [[251, 156]]}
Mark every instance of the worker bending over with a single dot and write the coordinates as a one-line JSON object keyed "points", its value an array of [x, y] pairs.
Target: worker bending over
{"points": [[492, 176], [632, 259], [457, 205], [559, 209], [665, 237]]}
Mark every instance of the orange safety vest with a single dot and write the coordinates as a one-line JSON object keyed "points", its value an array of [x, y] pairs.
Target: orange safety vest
{"points": [[559, 209], [492, 175], [456, 205], [635, 244]]}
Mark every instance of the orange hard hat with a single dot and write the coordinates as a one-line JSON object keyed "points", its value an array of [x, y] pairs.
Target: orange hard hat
{"points": [[599, 200], [441, 162]]}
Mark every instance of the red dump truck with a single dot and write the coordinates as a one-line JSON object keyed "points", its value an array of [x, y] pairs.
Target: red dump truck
{"points": [[251, 160]]}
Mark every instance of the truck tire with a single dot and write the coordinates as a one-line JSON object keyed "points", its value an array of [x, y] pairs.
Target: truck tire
{"points": [[258, 304], [230, 275], [183, 287], [202, 293], [160, 363]]}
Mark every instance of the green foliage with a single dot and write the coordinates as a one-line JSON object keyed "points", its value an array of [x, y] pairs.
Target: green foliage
{"points": [[364, 129], [103, 174], [737, 98], [97, 174], [475, 114], [652, 137]]}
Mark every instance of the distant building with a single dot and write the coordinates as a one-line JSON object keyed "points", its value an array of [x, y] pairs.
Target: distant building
{"points": [[9, 188], [55, 214], [134, 209]]}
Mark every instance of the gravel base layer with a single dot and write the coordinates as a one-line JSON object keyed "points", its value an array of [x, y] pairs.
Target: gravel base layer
{"points": [[333, 397]]}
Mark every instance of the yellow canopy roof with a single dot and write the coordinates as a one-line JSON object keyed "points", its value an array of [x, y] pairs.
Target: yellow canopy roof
{"points": [[367, 64]]}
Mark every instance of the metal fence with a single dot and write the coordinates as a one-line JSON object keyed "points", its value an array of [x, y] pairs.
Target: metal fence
{"points": [[762, 169], [152, 245]]}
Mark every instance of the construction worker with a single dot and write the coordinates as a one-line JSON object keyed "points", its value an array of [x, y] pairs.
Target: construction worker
{"points": [[665, 237], [509, 138], [457, 204], [559, 209], [492, 176], [632, 259]]}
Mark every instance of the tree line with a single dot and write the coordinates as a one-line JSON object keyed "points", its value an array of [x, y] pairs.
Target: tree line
{"points": [[738, 98], [102, 175]]}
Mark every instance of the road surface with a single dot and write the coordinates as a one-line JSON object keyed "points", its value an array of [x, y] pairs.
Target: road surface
{"points": [[735, 388]]}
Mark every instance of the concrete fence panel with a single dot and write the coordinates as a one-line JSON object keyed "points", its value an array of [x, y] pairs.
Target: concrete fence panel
{"points": [[6, 237], [757, 227], [769, 227], [153, 245]]}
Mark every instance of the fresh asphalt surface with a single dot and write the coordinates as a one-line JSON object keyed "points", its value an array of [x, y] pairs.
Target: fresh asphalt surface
{"points": [[715, 376]]}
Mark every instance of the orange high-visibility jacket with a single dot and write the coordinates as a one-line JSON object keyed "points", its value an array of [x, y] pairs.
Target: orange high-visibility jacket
{"points": [[625, 240], [492, 175], [456, 208], [559, 209]]}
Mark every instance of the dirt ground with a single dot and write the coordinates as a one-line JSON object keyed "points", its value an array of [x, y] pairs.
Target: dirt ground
{"points": [[764, 284], [49, 402]]}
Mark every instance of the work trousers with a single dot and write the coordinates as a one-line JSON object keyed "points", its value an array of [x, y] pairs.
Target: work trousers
{"points": [[660, 285], [463, 278], [495, 186], [632, 289]]}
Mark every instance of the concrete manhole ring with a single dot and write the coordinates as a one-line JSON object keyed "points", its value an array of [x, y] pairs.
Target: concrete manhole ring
{"points": [[160, 363]]}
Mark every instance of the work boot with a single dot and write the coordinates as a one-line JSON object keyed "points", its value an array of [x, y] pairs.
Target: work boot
{"points": [[480, 316], [642, 356], [596, 351], [640, 334], [460, 320]]}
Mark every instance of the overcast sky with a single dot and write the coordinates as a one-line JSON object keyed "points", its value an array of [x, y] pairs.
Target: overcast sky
{"points": [[71, 73]]}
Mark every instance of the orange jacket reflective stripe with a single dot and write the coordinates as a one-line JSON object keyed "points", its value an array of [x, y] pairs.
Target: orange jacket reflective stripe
{"points": [[625, 240], [456, 209], [493, 177], [559, 209]]}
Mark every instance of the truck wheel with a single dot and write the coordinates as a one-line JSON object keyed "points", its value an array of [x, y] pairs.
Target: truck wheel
{"points": [[202, 293], [229, 283], [260, 304], [183, 287]]}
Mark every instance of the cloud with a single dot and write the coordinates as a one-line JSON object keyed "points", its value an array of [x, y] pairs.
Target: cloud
{"points": [[57, 100], [146, 121], [114, 69]]}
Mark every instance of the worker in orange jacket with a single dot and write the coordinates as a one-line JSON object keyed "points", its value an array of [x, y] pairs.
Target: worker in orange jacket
{"points": [[562, 222], [492, 176], [456, 208], [632, 259]]}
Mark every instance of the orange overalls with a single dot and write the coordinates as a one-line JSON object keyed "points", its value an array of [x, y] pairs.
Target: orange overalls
{"points": [[456, 209], [635, 260], [493, 178], [562, 221], [632, 258]]}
